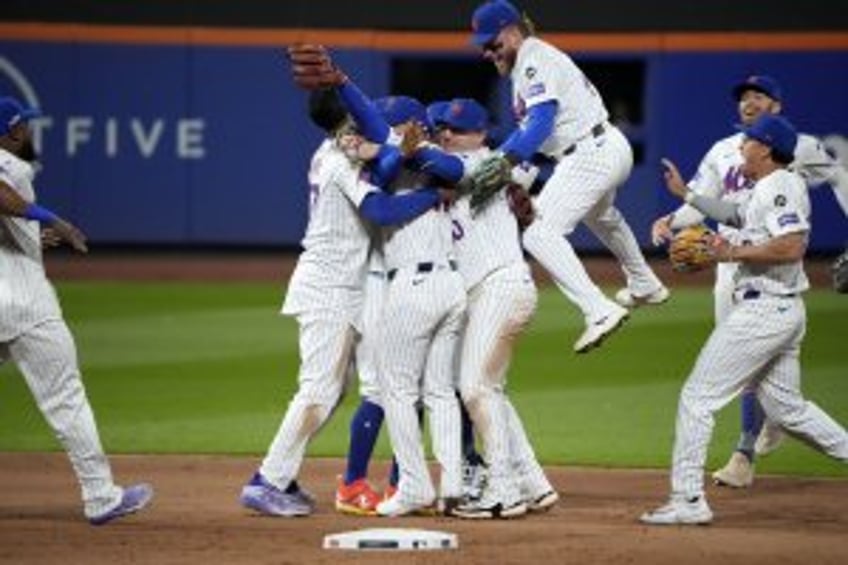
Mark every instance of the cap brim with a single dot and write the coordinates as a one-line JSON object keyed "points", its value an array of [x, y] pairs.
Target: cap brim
{"points": [[29, 113], [740, 89], [481, 39]]}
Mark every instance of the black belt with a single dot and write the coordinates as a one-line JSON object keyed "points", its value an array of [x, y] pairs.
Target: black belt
{"points": [[752, 294], [597, 131], [422, 268]]}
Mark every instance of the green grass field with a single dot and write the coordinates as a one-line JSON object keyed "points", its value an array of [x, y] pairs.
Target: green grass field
{"points": [[209, 368]]}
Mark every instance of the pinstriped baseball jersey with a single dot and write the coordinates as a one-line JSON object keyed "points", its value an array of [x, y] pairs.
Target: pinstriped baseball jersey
{"points": [[331, 269], [541, 73], [487, 240], [426, 238], [779, 205], [26, 296]]}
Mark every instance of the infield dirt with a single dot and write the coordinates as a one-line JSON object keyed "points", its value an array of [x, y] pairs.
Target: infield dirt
{"points": [[196, 518]]}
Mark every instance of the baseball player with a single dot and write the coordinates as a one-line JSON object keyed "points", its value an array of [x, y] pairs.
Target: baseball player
{"points": [[33, 333], [422, 316], [563, 116], [759, 342], [719, 176], [325, 296], [502, 298]]}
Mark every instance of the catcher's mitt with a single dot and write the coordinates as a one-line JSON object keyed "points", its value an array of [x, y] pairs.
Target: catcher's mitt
{"points": [[313, 68], [692, 249], [487, 180], [839, 269], [521, 204]]}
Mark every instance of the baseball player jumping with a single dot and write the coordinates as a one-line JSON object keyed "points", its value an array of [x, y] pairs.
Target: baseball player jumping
{"points": [[720, 176], [33, 333], [563, 116], [759, 342]]}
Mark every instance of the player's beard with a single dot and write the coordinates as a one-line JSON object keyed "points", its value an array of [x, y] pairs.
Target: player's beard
{"points": [[27, 151]]}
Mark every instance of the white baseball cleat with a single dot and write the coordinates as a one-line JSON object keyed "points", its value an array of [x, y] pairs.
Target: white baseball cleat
{"points": [[738, 473], [630, 300], [396, 506], [678, 510], [599, 329], [542, 502], [770, 438]]}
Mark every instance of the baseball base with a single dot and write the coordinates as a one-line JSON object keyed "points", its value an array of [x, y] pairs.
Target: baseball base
{"points": [[392, 539]]}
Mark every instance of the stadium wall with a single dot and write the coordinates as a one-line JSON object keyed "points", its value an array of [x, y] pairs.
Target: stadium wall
{"points": [[185, 135]]}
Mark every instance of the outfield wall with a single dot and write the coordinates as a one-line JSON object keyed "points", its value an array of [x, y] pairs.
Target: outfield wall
{"points": [[193, 136]]}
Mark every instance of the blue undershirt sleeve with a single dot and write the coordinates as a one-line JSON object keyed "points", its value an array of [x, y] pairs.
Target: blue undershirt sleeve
{"points": [[386, 166], [525, 141], [436, 162], [387, 210], [367, 118]]}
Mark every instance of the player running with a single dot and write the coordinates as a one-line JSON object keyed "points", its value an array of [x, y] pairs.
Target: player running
{"points": [[759, 342], [720, 175], [33, 333]]}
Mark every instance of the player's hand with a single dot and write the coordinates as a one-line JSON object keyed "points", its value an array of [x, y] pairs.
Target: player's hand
{"points": [[357, 148], [447, 197], [661, 230], [673, 180], [49, 238], [70, 233]]}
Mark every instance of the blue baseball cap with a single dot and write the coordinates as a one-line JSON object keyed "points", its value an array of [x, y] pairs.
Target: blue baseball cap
{"points": [[466, 114], [775, 131], [436, 110], [761, 83], [13, 112], [400, 109], [490, 18]]}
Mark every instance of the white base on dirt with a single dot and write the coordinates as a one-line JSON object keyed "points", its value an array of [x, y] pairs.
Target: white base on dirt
{"points": [[392, 539]]}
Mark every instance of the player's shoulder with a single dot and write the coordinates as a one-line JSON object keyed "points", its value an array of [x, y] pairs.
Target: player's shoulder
{"points": [[782, 185]]}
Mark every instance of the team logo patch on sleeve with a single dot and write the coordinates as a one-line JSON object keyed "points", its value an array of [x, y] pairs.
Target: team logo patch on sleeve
{"points": [[780, 200], [530, 72], [536, 90], [788, 219]]}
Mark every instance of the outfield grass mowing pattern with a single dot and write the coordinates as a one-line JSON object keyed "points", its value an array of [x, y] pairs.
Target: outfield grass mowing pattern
{"points": [[209, 368]]}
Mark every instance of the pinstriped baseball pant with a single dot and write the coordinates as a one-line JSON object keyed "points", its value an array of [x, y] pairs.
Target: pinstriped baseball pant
{"points": [[47, 357], [759, 342], [326, 342], [499, 309], [422, 318]]}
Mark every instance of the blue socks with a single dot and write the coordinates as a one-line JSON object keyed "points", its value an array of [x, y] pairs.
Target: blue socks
{"points": [[364, 430], [753, 417]]}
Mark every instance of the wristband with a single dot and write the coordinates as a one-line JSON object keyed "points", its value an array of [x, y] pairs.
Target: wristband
{"points": [[39, 213]]}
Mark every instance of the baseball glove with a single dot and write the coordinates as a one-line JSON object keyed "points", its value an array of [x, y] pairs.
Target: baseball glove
{"points": [[313, 68], [691, 249], [487, 180], [839, 269], [413, 137], [521, 204]]}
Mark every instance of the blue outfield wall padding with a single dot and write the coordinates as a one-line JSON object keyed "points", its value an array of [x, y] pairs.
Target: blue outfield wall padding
{"points": [[210, 145]]}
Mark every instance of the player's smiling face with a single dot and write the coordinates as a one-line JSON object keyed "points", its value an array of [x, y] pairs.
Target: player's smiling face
{"points": [[503, 50], [753, 104]]}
